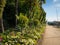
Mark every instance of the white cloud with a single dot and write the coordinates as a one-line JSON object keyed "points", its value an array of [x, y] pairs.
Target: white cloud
{"points": [[54, 0], [51, 19]]}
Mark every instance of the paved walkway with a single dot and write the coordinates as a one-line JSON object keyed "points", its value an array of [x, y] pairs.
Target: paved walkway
{"points": [[51, 36]]}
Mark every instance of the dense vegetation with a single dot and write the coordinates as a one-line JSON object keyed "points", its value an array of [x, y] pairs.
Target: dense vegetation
{"points": [[22, 22]]}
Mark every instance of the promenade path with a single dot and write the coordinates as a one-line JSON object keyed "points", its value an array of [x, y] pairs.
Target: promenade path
{"points": [[51, 36]]}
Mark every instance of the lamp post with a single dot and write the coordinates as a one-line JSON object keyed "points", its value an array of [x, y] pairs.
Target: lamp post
{"points": [[57, 13], [55, 6]]}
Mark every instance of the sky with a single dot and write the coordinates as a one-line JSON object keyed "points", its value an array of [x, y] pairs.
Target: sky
{"points": [[52, 9]]}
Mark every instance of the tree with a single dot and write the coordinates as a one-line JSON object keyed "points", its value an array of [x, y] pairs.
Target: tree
{"points": [[2, 5], [16, 11], [29, 8]]}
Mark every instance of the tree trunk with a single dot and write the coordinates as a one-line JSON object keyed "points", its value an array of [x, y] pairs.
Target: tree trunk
{"points": [[2, 5], [16, 11], [1, 25], [1, 20]]}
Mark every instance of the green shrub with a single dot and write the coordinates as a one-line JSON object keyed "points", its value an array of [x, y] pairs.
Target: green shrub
{"points": [[34, 22], [21, 35], [13, 38], [25, 37], [22, 20]]}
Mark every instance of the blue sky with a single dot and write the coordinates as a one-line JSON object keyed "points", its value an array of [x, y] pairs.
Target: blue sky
{"points": [[50, 9]]}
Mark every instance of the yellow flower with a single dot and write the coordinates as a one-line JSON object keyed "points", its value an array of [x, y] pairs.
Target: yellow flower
{"points": [[6, 43]]}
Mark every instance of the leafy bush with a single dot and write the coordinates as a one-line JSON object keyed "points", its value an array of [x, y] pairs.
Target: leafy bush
{"points": [[36, 22], [22, 20], [25, 37], [29, 27]]}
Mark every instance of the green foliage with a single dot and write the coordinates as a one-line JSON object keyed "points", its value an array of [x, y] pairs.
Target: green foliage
{"points": [[31, 20], [2, 3], [44, 1], [34, 22], [25, 37], [29, 8], [22, 20]]}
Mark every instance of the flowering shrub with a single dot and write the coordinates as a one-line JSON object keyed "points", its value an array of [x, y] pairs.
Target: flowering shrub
{"points": [[24, 37], [1, 38]]}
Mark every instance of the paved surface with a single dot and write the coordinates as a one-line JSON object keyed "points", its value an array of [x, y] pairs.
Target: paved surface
{"points": [[51, 36]]}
